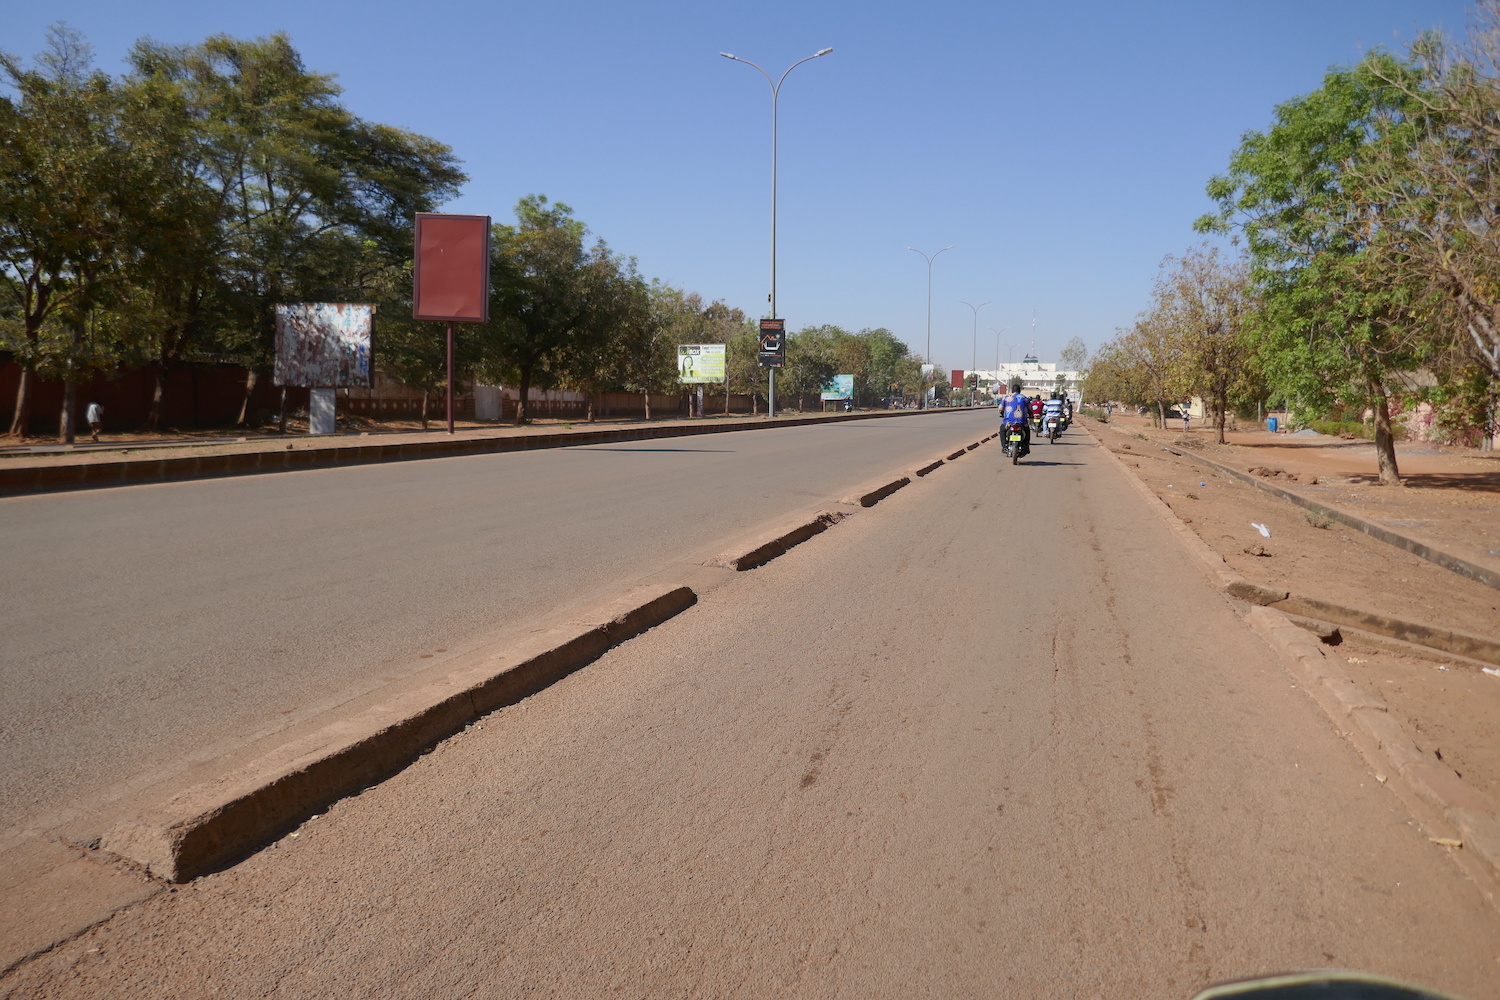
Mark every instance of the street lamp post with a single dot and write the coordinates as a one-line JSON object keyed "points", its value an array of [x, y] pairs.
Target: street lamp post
{"points": [[997, 334], [974, 359], [928, 356], [775, 95]]}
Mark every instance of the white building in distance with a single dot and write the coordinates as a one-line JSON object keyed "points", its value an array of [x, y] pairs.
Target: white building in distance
{"points": [[1037, 378]]}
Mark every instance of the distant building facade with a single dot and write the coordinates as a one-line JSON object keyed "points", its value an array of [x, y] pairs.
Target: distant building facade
{"points": [[1037, 377]]}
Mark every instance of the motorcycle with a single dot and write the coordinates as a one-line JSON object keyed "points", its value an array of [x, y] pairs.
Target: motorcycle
{"points": [[1011, 442], [1054, 428]]}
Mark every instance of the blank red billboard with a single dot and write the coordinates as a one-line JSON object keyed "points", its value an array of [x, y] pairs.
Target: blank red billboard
{"points": [[451, 272], [958, 378]]}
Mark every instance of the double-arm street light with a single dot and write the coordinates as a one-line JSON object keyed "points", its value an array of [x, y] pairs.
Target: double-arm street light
{"points": [[775, 94], [928, 356], [974, 359]]}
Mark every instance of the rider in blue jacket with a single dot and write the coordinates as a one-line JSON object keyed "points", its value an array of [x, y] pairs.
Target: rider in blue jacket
{"points": [[1014, 409]]}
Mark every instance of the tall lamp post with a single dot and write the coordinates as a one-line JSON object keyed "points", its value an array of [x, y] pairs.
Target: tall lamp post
{"points": [[997, 334], [974, 359], [928, 356], [775, 95]]}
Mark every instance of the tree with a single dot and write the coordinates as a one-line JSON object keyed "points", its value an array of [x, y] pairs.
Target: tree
{"points": [[1438, 172], [303, 188], [1074, 356], [1206, 301], [1336, 321], [62, 175]]}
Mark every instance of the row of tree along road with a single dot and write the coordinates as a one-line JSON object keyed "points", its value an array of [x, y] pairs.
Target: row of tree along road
{"points": [[1369, 286], [156, 220]]}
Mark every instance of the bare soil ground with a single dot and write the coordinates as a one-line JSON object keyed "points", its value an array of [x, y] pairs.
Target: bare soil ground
{"points": [[1456, 710], [1450, 497]]}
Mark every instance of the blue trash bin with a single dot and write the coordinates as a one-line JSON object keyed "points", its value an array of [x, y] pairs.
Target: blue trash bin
{"points": [[1271, 424]]}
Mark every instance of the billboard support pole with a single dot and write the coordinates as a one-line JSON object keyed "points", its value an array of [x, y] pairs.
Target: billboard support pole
{"points": [[450, 376]]}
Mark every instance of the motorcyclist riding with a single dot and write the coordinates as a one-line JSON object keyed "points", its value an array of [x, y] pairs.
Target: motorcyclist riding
{"points": [[1035, 409], [1053, 410], [1014, 409]]}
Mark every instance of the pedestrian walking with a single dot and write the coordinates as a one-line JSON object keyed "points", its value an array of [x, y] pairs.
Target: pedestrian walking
{"points": [[1186, 416], [95, 417]]}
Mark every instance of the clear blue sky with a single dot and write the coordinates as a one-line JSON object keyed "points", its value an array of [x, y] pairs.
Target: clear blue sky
{"points": [[1063, 147]]}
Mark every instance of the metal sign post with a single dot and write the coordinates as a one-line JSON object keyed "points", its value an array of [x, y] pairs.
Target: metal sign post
{"points": [[772, 353], [451, 276]]}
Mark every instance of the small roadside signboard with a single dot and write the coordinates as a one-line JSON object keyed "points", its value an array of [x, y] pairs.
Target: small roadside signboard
{"points": [[700, 363], [773, 343], [842, 387]]}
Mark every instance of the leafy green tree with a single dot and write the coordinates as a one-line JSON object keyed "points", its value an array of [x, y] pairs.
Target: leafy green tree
{"points": [[1336, 321], [302, 187]]}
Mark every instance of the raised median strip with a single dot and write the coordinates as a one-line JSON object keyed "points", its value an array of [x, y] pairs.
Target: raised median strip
{"points": [[762, 547], [211, 825], [923, 470], [1447, 560], [869, 496], [314, 453]]}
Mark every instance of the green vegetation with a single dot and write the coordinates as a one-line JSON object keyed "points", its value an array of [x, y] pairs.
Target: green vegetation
{"points": [[1370, 216], [157, 219]]}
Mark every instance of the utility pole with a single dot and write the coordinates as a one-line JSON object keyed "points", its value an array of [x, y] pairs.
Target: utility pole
{"points": [[775, 96]]}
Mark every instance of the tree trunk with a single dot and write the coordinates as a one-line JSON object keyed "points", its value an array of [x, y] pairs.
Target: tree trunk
{"points": [[647, 397], [425, 393], [68, 425], [1491, 411], [158, 393], [65, 426], [1385, 440], [245, 404], [591, 407], [522, 392], [1223, 404], [1161, 413], [22, 416], [283, 409]]}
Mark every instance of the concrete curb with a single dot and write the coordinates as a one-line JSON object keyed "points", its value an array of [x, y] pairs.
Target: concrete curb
{"points": [[764, 546], [960, 453], [1226, 579], [1223, 577], [1447, 640], [1447, 560], [869, 496], [209, 826], [96, 475], [929, 467], [1467, 809]]}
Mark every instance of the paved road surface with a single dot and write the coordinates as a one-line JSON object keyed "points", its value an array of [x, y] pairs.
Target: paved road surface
{"points": [[142, 624], [872, 768]]}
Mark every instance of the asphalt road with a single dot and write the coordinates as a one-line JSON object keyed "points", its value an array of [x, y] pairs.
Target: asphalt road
{"points": [[147, 624], [995, 737]]}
